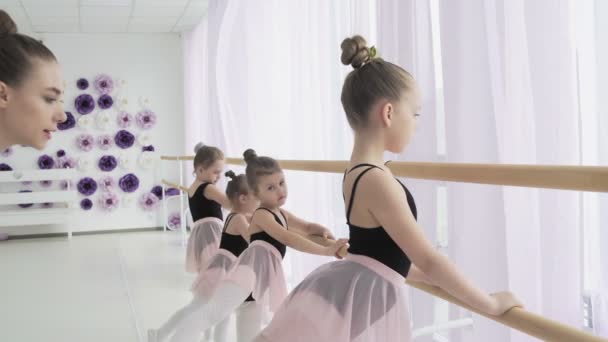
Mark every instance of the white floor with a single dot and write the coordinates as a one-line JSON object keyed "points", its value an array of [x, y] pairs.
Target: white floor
{"points": [[110, 287]]}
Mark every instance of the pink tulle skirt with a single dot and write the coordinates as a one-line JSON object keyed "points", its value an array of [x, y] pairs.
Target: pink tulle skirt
{"points": [[259, 269], [358, 299], [211, 276], [203, 243]]}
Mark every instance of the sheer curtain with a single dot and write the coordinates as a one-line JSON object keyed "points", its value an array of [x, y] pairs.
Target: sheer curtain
{"points": [[511, 97]]}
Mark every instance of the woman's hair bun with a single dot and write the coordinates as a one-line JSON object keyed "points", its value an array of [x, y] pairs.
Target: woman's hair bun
{"points": [[7, 25]]}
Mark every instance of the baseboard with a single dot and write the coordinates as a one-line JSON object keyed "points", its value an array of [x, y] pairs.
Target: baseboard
{"points": [[90, 232]]}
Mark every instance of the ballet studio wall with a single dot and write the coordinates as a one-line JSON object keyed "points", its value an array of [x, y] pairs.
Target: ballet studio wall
{"points": [[124, 102]]}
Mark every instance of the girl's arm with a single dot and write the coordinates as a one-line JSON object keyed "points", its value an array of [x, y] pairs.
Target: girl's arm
{"points": [[266, 221], [307, 228], [388, 204]]}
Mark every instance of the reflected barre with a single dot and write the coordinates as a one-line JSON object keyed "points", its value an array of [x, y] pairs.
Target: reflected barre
{"points": [[564, 177]]}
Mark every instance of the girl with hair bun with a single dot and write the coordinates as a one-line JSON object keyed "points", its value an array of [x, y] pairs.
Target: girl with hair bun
{"points": [[364, 298], [206, 201]]}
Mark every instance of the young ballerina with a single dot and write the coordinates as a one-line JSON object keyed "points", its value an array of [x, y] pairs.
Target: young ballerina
{"points": [[258, 270], [206, 202], [235, 239], [364, 298], [31, 89]]}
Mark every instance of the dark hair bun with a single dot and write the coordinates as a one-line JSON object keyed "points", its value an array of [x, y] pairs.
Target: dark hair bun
{"points": [[198, 147], [354, 52], [249, 155], [7, 25], [230, 174]]}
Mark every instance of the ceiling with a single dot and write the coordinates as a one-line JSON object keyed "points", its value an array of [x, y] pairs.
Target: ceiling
{"points": [[105, 16]]}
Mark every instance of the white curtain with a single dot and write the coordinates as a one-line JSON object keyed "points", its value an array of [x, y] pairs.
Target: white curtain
{"points": [[266, 75], [512, 96]]}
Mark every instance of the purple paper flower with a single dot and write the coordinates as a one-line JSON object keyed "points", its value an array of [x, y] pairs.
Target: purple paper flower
{"points": [[25, 205], [63, 185], [104, 84], [84, 104], [105, 142], [70, 122], [60, 153], [171, 192], [87, 186], [5, 167], [148, 202], [66, 162], [146, 119], [46, 162], [105, 101], [46, 183], [148, 148], [7, 153], [157, 191], [47, 205], [174, 221], [128, 183], [124, 139], [85, 142], [82, 84], [86, 204], [108, 201], [106, 183], [107, 163], [124, 120]]}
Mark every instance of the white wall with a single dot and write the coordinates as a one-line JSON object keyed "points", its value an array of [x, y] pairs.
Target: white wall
{"points": [[152, 65]]}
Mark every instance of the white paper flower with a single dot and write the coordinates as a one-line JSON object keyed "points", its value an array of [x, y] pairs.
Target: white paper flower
{"points": [[120, 102], [84, 164], [144, 101], [148, 160], [85, 122], [125, 161], [144, 139], [103, 120], [127, 201]]}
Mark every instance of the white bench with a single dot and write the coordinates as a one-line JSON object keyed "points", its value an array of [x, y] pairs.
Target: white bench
{"points": [[63, 200]]}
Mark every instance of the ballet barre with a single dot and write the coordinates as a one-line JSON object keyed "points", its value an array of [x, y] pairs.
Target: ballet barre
{"points": [[564, 177]]}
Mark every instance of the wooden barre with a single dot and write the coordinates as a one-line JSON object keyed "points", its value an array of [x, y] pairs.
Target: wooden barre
{"points": [[516, 318], [173, 185], [564, 177]]}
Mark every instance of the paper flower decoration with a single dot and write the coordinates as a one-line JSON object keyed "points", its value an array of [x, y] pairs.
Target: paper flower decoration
{"points": [[104, 84], [69, 122], [84, 104], [108, 201]]}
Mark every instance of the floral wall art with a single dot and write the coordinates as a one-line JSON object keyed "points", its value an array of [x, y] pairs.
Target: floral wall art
{"points": [[124, 105], [112, 147]]}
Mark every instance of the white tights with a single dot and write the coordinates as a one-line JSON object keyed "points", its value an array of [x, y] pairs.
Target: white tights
{"points": [[189, 322]]}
